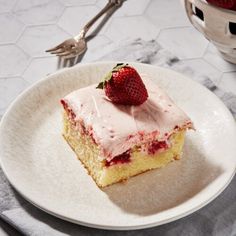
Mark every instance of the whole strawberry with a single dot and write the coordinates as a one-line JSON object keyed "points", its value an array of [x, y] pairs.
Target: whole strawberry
{"points": [[227, 4], [123, 85]]}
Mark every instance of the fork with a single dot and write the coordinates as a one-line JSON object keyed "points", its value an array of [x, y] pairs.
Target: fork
{"points": [[77, 45]]}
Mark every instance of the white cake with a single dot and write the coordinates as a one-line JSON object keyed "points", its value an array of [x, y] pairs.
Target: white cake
{"points": [[115, 142]]}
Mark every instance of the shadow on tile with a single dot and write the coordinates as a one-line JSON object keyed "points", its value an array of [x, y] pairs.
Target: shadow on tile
{"points": [[62, 63], [69, 62]]}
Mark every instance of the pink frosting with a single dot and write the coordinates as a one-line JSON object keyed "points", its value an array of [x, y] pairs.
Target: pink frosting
{"points": [[117, 128]]}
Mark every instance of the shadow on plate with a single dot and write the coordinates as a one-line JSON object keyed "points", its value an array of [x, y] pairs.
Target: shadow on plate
{"points": [[162, 189]]}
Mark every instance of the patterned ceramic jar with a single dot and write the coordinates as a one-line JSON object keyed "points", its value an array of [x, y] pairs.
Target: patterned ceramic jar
{"points": [[217, 24]]}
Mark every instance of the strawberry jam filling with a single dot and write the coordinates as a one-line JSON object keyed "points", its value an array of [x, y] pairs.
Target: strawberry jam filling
{"points": [[156, 146], [120, 159], [80, 124], [68, 110], [153, 148]]}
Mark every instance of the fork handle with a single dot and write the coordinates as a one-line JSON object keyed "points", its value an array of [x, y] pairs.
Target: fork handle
{"points": [[108, 6]]}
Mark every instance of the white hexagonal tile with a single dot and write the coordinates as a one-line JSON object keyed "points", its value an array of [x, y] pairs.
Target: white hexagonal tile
{"points": [[74, 18], [204, 68], [6, 6], [128, 8], [36, 39], [213, 57], [131, 27], [38, 12], [9, 89], [130, 50], [165, 14], [39, 68], [228, 82], [12, 31], [95, 48], [183, 42], [13, 61], [77, 2]]}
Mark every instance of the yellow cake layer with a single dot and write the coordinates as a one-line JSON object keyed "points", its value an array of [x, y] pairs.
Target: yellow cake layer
{"points": [[88, 153]]}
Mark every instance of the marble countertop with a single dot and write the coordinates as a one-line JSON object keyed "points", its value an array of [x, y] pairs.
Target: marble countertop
{"points": [[29, 27]]}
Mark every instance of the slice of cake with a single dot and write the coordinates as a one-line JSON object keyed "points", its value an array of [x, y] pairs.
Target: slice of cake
{"points": [[129, 129]]}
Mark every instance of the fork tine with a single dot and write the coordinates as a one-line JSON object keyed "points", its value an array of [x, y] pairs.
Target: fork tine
{"points": [[60, 50], [71, 53], [63, 54], [55, 48]]}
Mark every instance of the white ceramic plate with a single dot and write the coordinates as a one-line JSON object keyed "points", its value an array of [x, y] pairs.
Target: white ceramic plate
{"points": [[41, 166]]}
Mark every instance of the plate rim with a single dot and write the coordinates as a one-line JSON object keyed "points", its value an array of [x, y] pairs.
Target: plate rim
{"points": [[102, 226]]}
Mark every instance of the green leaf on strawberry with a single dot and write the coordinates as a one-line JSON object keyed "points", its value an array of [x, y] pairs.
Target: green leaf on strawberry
{"points": [[109, 75]]}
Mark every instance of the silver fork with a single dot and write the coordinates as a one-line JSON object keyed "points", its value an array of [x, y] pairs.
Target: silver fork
{"points": [[77, 45]]}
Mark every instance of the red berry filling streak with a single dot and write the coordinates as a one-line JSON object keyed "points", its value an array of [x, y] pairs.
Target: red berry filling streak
{"points": [[120, 159], [152, 148], [78, 125], [156, 146]]}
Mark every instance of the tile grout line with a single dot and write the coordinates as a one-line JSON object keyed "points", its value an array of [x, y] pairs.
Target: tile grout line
{"points": [[20, 35], [14, 6], [65, 31], [145, 10], [211, 64], [176, 27], [217, 68], [62, 13]]}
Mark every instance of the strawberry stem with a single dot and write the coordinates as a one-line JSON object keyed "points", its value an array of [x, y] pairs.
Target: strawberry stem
{"points": [[109, 75], [105, 79], [119, 66]]}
